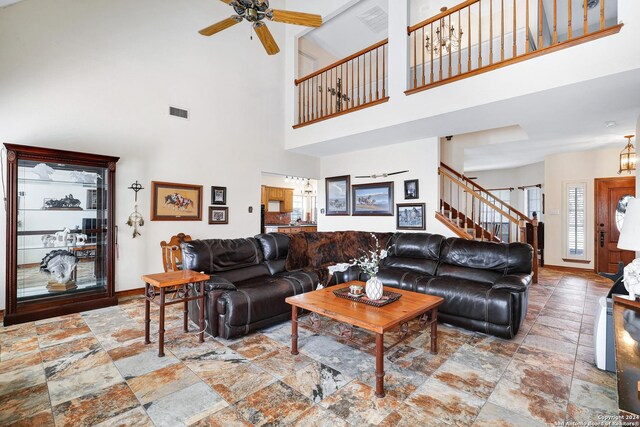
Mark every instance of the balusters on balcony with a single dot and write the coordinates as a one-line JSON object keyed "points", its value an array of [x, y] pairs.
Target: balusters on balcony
{"points": [[355, 82], [476, 36]]}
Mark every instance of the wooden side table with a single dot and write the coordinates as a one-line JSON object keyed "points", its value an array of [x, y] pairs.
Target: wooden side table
{"points": [[177, 285]]}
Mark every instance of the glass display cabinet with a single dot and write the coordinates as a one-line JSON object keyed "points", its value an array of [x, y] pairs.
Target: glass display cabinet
{"points": [[60, 232]]}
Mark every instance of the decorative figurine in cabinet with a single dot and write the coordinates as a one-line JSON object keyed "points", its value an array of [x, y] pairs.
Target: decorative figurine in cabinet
{"points": [[60, 232]]}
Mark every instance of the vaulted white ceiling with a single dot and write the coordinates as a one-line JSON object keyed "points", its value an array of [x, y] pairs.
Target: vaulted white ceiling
{"points": [[4, 3]]}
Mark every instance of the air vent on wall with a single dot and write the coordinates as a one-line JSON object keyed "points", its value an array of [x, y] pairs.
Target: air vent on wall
{"points": [[375, 19], [179, 112]]}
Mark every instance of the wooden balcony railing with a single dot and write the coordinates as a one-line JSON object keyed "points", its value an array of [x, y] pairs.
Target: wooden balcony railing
{"points": [[481, 35], [476, 213], [355, 82]]}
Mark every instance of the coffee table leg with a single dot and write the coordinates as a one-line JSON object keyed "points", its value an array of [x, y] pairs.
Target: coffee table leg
{"points": [[147, 315], [161, 325], [379, 365], [294, 329], [434, 331], [185, 310], [201, 338]]}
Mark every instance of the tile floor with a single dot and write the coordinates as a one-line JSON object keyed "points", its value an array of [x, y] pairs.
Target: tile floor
{"points": [[92, 368]]}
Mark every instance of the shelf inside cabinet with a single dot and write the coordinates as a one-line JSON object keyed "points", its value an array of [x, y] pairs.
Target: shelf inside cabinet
{"points": [[89, 185]]}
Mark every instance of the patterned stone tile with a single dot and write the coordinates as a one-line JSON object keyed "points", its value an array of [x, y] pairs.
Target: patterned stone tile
{"points": [[69, 349], [215, 362], [227, 417], [17, 347], [529, 403], [586, 340], [538, 380], [316, 381], [494, 345], [27, 361], [562, 363], [411, 416], [281, 362], [185, 406], [136, 417], [282, 334], [23, 330], [496, 416], [586, 354], [581, 415], [357, 404], [593, 396], [91, 381], [550, 344], [398, 382], [350, 361], [255, 346], [557, 334], [159, 383], [467, 378], [439, 400], [416, 360], [184, 345], [277, 404], [559, 323], [13, 380], [72, 365], [144, 362], [95, 407], [26, 404], [317, 416], [239, 381]]}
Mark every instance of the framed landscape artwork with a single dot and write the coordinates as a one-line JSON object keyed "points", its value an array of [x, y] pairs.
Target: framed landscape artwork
{"points": [[410, 216], [175, 202], [411, 189], [374, 199], [337, 195], [218, 195], [218, 215]]}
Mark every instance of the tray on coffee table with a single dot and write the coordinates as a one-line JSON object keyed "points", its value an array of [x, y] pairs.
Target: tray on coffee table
{"points": [[387, 297]]}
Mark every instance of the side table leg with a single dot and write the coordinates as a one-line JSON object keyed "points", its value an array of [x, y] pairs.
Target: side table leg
{"points": [[161, 325], [294, 329], [434, 331], [201, 335], [147, 315], [379, 365], [186, 313]]}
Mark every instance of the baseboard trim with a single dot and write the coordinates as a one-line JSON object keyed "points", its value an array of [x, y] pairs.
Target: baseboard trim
{"points": [[129, 292], [569, 269]]}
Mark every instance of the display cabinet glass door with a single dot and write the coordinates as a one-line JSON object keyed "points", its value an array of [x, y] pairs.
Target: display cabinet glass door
{"points": [[61, 229]]}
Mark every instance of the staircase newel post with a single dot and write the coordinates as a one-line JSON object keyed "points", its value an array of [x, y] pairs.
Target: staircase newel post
{"points": [[535, 250], [523, 230]]}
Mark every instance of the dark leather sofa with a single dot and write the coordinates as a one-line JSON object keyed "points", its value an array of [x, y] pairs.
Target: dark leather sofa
{"points": [[248, 283], [485, 285]]}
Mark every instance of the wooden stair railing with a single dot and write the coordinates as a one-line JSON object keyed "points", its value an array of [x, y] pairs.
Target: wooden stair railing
{"points": [[465, 205], [477, 36], [350, 84]]}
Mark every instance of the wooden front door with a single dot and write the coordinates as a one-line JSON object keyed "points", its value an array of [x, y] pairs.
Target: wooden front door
{"points": [[612, 196]]}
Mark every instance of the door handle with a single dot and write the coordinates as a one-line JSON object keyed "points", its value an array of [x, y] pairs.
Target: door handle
{"points": [[602, 232]]}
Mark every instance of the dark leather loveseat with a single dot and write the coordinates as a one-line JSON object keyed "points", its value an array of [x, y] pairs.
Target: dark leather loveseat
{"points": [[485, 285]]}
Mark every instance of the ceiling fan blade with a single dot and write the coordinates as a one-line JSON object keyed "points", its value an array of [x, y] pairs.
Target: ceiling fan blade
{"points": [[219, 26], [396, 173], [297, 18], [266, 38], [226, 1]]}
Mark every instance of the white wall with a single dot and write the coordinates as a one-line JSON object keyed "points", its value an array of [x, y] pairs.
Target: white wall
{"points": [[100, 77], [514, 177], [419, 157], [560, 169], [439, 111]]}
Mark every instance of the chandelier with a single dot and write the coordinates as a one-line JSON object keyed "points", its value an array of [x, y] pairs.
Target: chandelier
{"points": [[445, 37], [628, 157]]}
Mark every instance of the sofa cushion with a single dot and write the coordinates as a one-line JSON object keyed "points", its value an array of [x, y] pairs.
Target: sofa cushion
{"points": [[399, 278], [216, 282], [504, 258], [260, 298], [417, 245], [416, 265], [217, 255], [241, 274], [475, 274], [275, 247], [469, 299]]}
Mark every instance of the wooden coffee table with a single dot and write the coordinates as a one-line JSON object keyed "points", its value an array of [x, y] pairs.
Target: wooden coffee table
{"points": [[375, 319]]}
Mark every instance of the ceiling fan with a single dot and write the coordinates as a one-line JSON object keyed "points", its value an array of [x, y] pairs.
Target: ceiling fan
{"points": [[381, 175], [256, 11]]}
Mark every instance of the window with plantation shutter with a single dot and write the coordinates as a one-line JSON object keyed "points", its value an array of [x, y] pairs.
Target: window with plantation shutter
{"points": [[576, 221]]}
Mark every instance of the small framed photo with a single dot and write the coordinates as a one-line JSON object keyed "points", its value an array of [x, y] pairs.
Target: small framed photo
{"points": [[337, 190], [218, 195], [411, 190], [175, 202], [410, 216], [375, 199], [218, 215]]}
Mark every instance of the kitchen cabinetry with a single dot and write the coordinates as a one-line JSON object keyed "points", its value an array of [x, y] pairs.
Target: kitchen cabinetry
{"points": [[277, 194], [60, 232]]}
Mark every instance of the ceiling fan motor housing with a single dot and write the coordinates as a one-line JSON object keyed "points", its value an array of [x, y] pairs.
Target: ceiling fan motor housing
{"points": [[251, 10]]}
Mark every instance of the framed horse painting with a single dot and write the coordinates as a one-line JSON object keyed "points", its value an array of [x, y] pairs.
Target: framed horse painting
{"points": [[175, 202]]}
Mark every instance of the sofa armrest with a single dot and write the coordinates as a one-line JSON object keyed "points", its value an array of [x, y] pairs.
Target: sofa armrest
{"points": [[513, 282], [219, 283]]}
